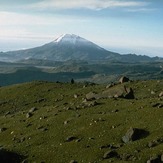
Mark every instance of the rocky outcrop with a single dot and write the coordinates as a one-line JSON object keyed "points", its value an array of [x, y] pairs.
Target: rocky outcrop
{"points": [[114, 92]]}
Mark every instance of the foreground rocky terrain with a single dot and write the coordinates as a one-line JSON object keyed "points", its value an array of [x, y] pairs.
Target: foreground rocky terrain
{"points": [[82, 122]]}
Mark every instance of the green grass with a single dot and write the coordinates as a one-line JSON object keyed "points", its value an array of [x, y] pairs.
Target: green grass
{"points": [[93, 126]]}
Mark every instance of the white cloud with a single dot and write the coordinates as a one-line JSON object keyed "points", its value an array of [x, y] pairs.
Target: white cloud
{"points": [[90, 4], [16, 25]]}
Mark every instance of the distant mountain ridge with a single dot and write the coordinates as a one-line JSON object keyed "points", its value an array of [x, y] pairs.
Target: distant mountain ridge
{"points": [[71, 47]]}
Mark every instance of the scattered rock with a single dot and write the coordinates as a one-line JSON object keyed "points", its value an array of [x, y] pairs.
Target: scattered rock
{"points": [[41, 100], [90, 96], [162, 157], [153, 92], [115, 111], [70, 138], [114, 92], [124, 79], [110, 85], [43, 129], [77, 140], [66, 122], [7, 113], [151, 144], [161, 94], [110, 154], [75, 96], [73, 161], [158, 105], [127, 157], [3, 129], [28, 115], [94, 103], [133, 134], [155, 142], [155, 159], [22, 139], [32, 110]]}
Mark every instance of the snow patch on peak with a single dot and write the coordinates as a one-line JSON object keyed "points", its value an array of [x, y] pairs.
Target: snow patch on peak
{"points": [[69, 38]]}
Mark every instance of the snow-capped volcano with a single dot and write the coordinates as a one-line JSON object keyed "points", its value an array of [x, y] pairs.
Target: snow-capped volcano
{"points": [[66, 47], [74, 40]]}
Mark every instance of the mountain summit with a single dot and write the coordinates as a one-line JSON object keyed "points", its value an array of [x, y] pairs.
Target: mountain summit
{"points": [[70, 38], [66, 47], [70, 47], [75, 40]]}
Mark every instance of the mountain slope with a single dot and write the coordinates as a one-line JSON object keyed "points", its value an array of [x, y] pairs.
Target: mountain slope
{"points": [[72, 47], [63, 127], [66, 47]]}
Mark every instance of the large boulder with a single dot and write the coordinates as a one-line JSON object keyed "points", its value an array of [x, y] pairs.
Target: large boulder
{"points": [[119, 92], [113, 92]]}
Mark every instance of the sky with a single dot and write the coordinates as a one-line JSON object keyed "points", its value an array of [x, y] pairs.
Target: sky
{"points": [[124, 26]]}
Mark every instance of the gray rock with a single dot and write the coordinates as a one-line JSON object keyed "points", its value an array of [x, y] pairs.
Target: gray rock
{"points": [[162, 157], [70, 138], [153, 92], [124, 79], [110, 154], [119, 91], [73, 161], [133, 134], [7, 113], [109, 86], [90, 96], [155, 159], [32, 110], [127, 157], [28, 115], [158, 105], [3, 129], [129, 135], [75, 96], [161, 94], [151, 144]]}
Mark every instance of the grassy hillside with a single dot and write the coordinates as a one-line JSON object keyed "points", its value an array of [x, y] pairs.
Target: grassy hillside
{"points": [[64, 127]]}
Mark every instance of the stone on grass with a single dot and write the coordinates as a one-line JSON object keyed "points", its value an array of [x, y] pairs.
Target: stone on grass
{"points": [[133, 134], [28, 115], [161, 94], [75, 96], [32, 110], [90, 96], [124, 79], [3, 129], [155, 159], [73, 161], [162, 157], [110, 154], [70, 138]]}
